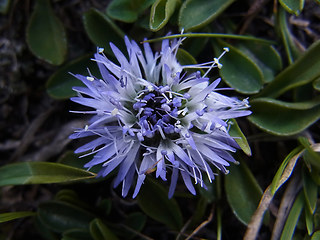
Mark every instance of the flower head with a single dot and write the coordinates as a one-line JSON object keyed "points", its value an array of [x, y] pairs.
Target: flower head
{"points": [[149, 115]]}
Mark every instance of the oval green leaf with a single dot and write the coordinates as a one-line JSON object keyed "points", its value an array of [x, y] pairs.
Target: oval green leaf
{"points": [[59, 85], [61, 217], [293, 218], [154, 202], [302, 71], [101, 30], [197, 13], [292, 6], [243, 192], [265, 56], [283, 118], [40, 173], [239, 71], [99, 231], [46, 36], [5, 217], [127, 10], [161, 12], [239, 137]]}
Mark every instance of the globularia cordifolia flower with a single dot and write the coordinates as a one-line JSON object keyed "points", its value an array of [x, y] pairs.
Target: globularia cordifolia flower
{"points": [[150, 114]]}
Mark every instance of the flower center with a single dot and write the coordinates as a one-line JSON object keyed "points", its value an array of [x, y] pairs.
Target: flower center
{"points": [[158, 109]]}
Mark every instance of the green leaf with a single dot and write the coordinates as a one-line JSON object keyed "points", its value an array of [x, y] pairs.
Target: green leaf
{"points": [[284, 171], [59, 85], [101, 30], [161, 12], [100, 231], [61, 216], [292, 6], [310, 190], [245, 77], [40, 173], [302, 71], [316, 235], [316, 84], [309, 221], [293, 218], [76, 234], [197, 13], [154, 202], [237, 134], [4, 6], [5, 217], [127, 10], [71, 197], [265, 56], [74, 160], [185, 58], [44, 231], [135, 221], [310, 155], [283, 118], [46, 36], [292, 50], [243, 192]]}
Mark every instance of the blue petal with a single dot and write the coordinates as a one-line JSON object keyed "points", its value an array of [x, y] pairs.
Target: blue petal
{"points": [[187, 181]]}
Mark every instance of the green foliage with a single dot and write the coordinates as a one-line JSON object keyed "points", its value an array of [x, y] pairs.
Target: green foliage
{"points": [[40, 172], [161, 12], [246, 77], [292, 6], [61, 216], [273, 57], [283, 118], [195, 14], [59, 85], [292, 50], [265, 56], [5, 217], [100, 231], [240, 138], [52, 45], [154, 202], [293, 217], [101, 30], [304, 70], [127, 10], [243, 192]]}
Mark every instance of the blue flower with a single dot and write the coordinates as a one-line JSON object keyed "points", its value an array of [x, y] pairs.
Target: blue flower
{"points": [[150, 114]]}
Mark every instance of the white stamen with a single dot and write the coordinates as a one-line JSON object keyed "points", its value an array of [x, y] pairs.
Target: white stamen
{"points": [[161, 132], [90, 79], [115, 111]]}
